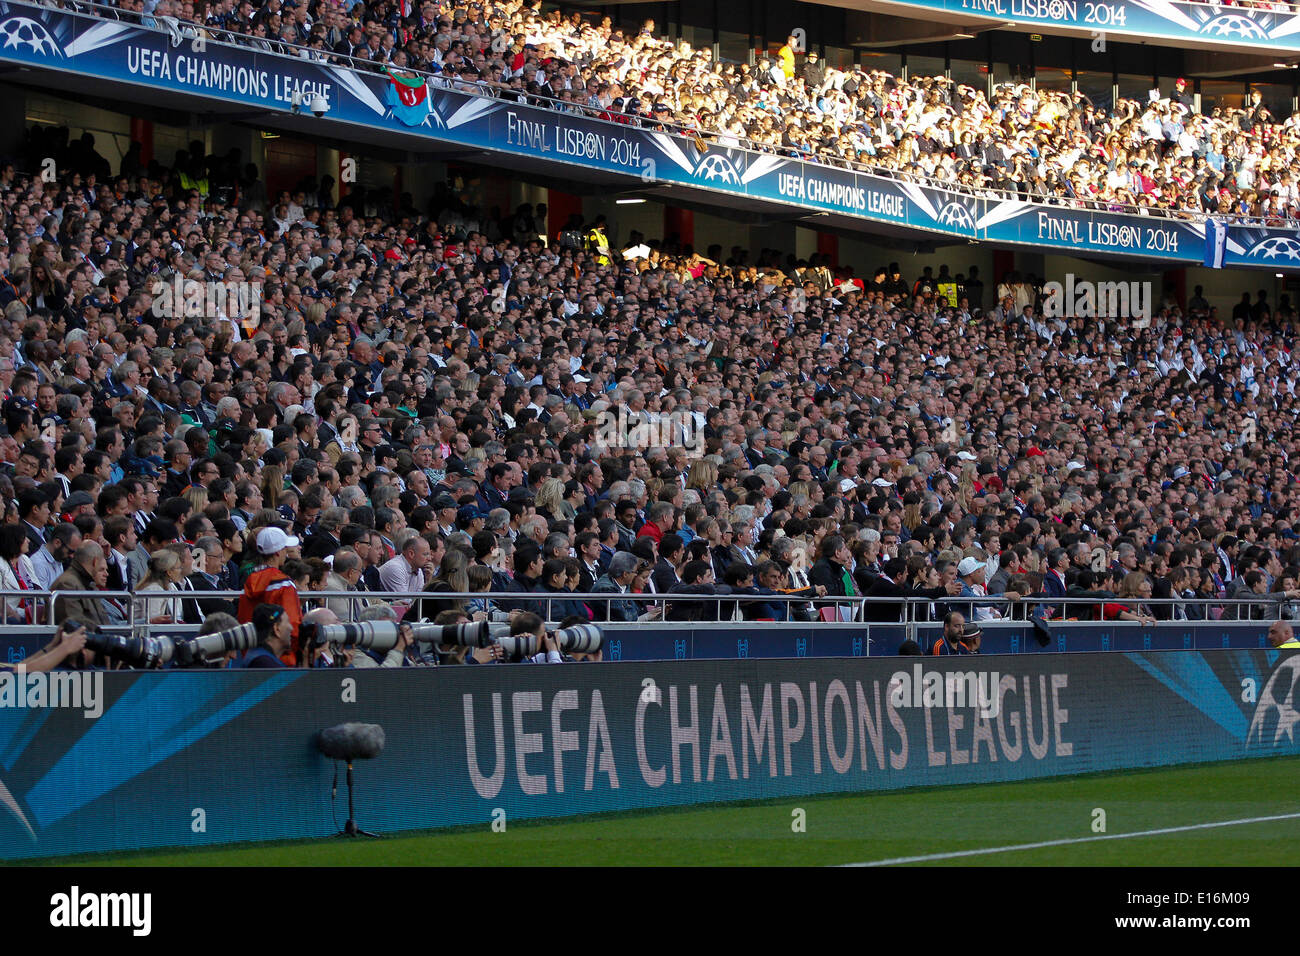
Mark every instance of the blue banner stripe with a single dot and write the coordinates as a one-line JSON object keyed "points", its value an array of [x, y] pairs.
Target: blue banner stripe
{"points": [[1191, 678], [19, 727], [145, 727]]}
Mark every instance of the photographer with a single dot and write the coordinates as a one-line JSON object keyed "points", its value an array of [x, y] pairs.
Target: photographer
{"points": [[396, 656], [64, 651], [215, 624], [331, 654], [274, 637], [459, 653], [527, 622]]}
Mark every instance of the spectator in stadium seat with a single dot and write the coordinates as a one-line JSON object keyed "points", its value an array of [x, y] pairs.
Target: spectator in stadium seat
{"points": [[270, 585], [87, 571], [207, 577], [890, 586], [48, 563], [616, 580], [661, 517], [404, 573], [696, 580]]}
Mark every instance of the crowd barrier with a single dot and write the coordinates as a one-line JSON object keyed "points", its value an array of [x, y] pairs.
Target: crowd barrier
{"points": [[128, 760], [1240, 624], [122, 57]]}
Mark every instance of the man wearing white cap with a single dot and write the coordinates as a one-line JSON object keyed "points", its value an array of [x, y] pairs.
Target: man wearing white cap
{"points": [[269, 585], [971, 573]]}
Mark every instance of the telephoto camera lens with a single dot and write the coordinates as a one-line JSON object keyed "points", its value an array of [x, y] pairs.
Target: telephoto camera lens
{"points": [[580, 639], [134, 651], [371, 635], [382, 635], [519, 646], [201, 650], [474, 634]]}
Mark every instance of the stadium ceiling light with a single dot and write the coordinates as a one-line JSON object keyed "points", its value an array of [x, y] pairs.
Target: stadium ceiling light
{"points": [[963, 36], [1284, 66], [1279, 275], [628, 202]]}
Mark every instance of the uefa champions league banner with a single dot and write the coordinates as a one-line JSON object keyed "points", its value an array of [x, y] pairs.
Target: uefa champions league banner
{"points": [[99, 762], [1193, 22], [171, 60]]}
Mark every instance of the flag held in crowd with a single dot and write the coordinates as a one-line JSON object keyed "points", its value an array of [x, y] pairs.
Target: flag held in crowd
{"points": [[408, 97]]}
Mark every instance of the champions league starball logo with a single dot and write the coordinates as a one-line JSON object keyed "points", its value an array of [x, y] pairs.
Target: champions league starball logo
{"points": [[717, 168], [1233, 25], [1276, 248], [23, 33], [956, 215], [1218, 22], [1276, 714]]}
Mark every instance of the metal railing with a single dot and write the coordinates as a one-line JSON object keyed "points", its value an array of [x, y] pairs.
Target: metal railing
{"points": [[850, 611], [191, 30]]}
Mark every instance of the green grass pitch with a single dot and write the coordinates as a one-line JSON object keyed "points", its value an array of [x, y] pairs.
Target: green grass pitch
{"points": [[866, 828]]}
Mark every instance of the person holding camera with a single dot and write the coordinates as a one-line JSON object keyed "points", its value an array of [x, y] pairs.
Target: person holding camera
{"points": [[274, 636], [64, 651], [526, 622]]}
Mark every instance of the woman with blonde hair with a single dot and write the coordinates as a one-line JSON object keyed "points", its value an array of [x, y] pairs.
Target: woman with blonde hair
{"points": [[703, 475], [164, 574], [912, 511], [452, 578], [1134, 588], [550, 500], [198, 498], [272, 485]]}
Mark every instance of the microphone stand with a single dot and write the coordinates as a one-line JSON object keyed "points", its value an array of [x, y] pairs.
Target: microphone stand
{"points": [[350, 828]]}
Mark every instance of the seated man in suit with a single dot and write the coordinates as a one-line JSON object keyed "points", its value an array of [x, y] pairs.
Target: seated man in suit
{"points": [[207, 577]]}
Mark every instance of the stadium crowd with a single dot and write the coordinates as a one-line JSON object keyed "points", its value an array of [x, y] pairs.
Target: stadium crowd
{"points": [[450, 400], [1160, 156]]}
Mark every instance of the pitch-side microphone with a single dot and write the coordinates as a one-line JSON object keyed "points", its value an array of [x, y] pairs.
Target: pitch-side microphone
{"points": [[351, 741]]}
